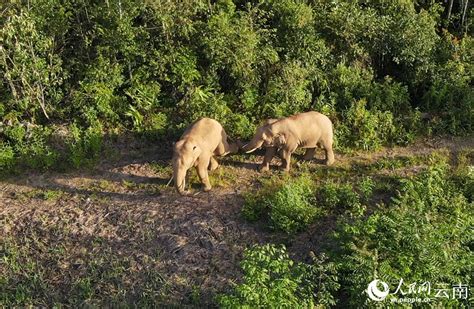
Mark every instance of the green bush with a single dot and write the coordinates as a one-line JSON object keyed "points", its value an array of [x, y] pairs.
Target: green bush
{"points": [[30, 147], [84, 146], [365, 129], [450, 97], [7, 158], [337, 197], [423, 235], [29, 66], [272, 279], [152, 67], [288, 204]]}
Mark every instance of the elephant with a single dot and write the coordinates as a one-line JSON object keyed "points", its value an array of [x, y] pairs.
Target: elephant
{"points": [[269, 151], [199, 144], [306, 130]]}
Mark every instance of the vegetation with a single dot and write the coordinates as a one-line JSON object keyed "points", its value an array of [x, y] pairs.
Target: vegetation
{"points": [[73, 71], [79, 77], [291, 204], [286, 202], [422, 235], [272, 279]]}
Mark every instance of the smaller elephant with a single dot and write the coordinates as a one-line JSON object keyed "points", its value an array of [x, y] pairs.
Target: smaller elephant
{"points": [[269, 151], [306, 130], [197, 147]]}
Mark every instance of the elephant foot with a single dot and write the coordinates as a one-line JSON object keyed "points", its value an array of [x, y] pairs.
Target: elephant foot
{"points": [[184, 193], [329, 162], [207, 188], [264, 168]]}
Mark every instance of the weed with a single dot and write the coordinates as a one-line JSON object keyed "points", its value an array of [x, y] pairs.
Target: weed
{"points": [[422, 236], [272, 279], [288, 204], [222, 177]]}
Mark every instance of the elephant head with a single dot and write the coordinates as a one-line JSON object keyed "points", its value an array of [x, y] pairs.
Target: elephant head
{"points": [[185, 155], [266, 136]]}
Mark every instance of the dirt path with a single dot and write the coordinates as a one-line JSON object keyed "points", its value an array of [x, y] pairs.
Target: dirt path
{"points": [[122, 217]]}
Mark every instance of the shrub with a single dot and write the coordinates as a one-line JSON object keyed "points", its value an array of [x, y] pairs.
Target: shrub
{"points": [[365, 129], [288, 204], [150, 66], [272, 279], [84, 145], [450, 97], [29, 65], [288, 90], [424, 235], [30, 146], [7, 158], [37, 153], [336, 197]]}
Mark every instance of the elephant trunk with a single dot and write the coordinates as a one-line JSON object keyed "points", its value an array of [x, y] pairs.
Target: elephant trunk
{"points": [[253, 145], [179, 176], [234, 147]]}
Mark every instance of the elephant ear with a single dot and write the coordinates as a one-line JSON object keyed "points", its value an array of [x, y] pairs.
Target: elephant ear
{"points": [[279, 140], [196, 152]]}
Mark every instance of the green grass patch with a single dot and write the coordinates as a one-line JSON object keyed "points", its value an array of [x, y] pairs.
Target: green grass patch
{"points": [[286, 203], [273, 280]]}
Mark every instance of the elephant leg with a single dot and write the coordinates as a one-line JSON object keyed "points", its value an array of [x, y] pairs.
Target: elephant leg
{"points": [[329, 152], [202, 172], [309, 154], [269, 153], [213, 164], [286, 159]]}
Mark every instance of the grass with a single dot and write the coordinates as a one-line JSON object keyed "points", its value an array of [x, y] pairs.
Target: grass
{"points": [[74, 272], [223, 177], [51, 195], [119, 242]]}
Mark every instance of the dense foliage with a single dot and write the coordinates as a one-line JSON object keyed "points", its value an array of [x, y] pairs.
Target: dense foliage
{"points": [[423, 235], [292, 204], [287, 205], [71, 71], [272, 279]]}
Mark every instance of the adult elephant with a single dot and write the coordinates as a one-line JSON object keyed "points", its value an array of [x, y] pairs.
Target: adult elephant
{"points": [[306, 130]]}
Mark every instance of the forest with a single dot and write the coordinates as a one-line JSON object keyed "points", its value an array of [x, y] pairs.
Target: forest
{"points": [[93, 94]]}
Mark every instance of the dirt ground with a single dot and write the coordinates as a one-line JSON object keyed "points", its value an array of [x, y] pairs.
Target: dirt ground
{"points": [[118, 227]]}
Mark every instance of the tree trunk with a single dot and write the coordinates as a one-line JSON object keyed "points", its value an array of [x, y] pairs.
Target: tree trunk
{"points": [[464, 14], [450, 8]]}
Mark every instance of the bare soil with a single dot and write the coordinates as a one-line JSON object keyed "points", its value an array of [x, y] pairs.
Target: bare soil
{"points": [[121, 215]]}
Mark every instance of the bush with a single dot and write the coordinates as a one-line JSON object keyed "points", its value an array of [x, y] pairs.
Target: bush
{"points": [[337, 197], [366, 129], [450, 97], [424, 235], [272, 279], [149, 66], [84, 146], [30, 147], [288, 204], [7, 158]]}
